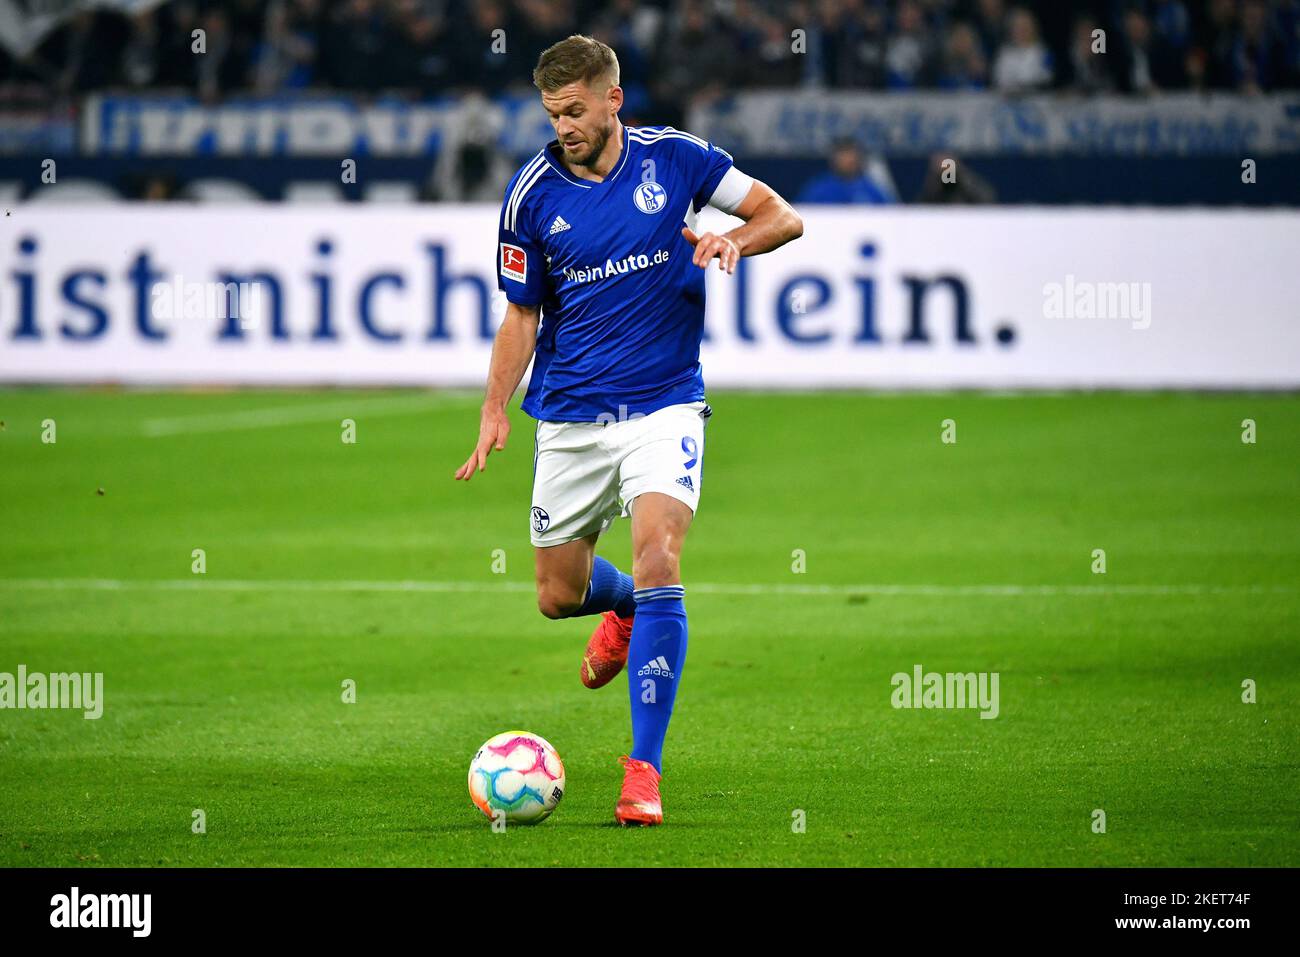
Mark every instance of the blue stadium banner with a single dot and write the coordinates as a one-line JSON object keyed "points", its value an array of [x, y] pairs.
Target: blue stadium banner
{"points": [[324, 125], [772, 123], [807, 123]]}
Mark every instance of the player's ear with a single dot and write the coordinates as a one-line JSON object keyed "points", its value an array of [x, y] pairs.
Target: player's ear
{"points": [[614, 98]]}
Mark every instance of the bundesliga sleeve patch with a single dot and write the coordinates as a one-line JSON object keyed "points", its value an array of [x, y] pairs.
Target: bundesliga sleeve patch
{"points": [[514, 263]]}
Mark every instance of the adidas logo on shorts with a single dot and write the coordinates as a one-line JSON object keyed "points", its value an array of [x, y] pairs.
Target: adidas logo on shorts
{"points": [[658, 667], [559, 225], [686, 480]]}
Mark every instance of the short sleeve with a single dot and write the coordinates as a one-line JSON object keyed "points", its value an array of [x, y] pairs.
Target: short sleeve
{"points": [[521, 264]]}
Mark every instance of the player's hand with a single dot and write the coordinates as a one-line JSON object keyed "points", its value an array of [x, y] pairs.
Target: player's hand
{"points": [[493, 430], [711, 246]]}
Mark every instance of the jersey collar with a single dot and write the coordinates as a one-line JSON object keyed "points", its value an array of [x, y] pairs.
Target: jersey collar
{"points": [[558, 165]]}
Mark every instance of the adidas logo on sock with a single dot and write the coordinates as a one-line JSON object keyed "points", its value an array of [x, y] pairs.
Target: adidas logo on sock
{"points": [[559, 225], [686, 480], [658, 667]]}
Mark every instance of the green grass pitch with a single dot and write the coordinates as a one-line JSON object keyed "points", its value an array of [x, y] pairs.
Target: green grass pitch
{"points": [[1119, 691]]}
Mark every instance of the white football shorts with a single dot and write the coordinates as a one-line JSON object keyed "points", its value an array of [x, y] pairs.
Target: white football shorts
{"points": [[586, 474]]}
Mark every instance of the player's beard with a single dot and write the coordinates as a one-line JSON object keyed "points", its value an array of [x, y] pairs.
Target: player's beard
{"points": [[597, 147]]}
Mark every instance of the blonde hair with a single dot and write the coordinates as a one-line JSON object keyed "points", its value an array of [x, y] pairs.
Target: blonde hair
{"points": [[575, 59]]}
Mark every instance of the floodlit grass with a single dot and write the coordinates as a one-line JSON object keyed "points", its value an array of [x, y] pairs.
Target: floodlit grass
{"points": [[1120, 692]]}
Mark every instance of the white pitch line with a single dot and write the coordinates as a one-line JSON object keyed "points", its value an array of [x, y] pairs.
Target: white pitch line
{"points": [[706, 588], [289, 415], [1013, 591]]}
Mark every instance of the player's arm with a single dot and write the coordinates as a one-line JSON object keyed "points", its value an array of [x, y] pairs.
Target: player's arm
{"points": [[511, 352], [770, 222]]}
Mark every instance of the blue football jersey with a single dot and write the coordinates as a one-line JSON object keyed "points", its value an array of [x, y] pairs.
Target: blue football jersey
{"points": [[622, 304]]}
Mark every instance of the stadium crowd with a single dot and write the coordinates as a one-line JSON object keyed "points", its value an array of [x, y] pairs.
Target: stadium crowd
{"points": [[676, 50]]}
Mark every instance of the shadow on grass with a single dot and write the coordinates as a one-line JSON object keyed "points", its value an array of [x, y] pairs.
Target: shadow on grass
{"points": [[565, 825]]}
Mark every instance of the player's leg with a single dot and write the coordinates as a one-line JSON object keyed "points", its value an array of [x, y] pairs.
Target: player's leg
{"points": [[609, 594], [572, 581], [657, 649], [575, 495], [661, 480], [658, 645], [564, 573]]}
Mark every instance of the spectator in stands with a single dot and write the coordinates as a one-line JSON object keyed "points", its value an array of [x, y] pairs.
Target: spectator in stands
{"points": [[964, 66], [769, 61], [851, 38], [1171, 38], [1023, 63], [540, 23], [140, 55], [1217, 43], [156, 187], [80, 67], [951, 181], [630, 27], [990, 24], [352, 52], [433, 47], [1135, 56], [177, 64], [247, 22], [1089, 70], [420, 56], [217, 70], [851, 179], [470, 168], [1288, 18], [636, 25], [691, 40], [1258, 56], [475, 62], [910, 53], [1196, 70], [286, 57]]}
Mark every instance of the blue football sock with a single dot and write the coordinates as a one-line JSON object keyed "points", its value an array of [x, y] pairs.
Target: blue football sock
{"points": [[609, 590], [654, 667]]}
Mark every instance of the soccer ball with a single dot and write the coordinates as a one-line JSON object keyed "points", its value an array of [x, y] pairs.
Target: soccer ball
{"points": [[516, 774]]}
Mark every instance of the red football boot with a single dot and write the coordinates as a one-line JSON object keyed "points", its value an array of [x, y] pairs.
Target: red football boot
{"points": [[639, 803], [606, 652]]}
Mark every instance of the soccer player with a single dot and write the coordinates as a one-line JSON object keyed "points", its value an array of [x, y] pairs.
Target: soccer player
{"points": [[597, 241]]}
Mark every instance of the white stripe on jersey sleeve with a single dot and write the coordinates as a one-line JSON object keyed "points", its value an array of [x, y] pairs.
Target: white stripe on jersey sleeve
{"points": [[536, 166], [732, 190], [644, 136]]}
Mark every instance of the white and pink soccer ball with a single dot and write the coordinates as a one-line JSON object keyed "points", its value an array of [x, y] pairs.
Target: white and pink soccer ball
{"points": [[516, 774]]}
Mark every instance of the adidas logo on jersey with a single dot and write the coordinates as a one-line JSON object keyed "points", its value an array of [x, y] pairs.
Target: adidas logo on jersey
{"points": [[658, 667], [686, 480], [559, 225]]}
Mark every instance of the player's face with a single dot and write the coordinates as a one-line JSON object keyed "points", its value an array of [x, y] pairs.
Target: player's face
{"points": [[583, 119]]}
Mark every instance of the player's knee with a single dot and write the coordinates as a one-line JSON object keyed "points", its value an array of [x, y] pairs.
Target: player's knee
{"points": [[557, 601], [655, 565]]}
